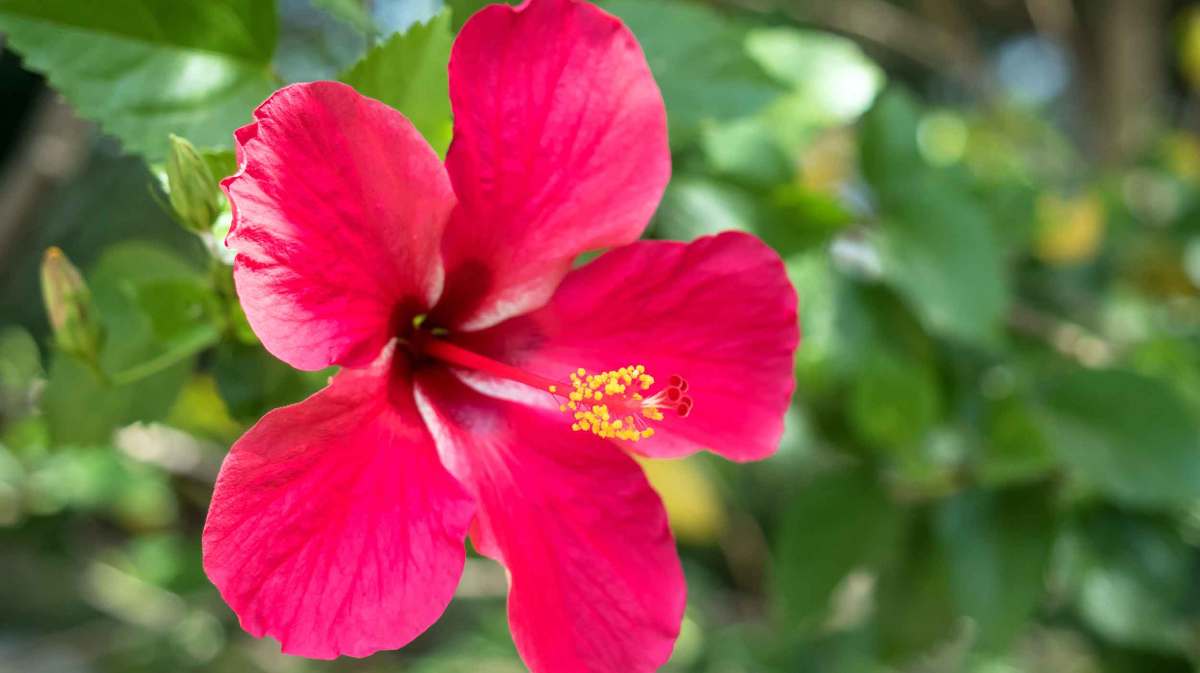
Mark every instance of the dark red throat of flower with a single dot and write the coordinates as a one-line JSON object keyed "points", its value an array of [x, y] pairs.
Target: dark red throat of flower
{"points": [[614, 404]]}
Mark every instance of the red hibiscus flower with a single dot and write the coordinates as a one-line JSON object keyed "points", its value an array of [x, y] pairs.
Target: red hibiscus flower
{"points": [[486, 387]]}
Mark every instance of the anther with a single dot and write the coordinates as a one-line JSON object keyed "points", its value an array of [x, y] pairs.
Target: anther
{"points": [[624, 413]]}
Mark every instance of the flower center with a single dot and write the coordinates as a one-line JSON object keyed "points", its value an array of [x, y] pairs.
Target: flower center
{"points": [[614, 404]]}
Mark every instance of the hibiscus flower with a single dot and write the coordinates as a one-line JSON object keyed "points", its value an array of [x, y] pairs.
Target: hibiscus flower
{"points": [[486, 387]]}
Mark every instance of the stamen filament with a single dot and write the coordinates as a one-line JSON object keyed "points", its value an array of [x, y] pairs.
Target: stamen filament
{"points": [[456, 355]]}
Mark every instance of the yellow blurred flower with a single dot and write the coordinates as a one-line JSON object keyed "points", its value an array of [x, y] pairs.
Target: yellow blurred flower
{"points": [[200, 410], [829, 161], [1069, 229], [1182, 150], [693, 505], [1189, 45]]}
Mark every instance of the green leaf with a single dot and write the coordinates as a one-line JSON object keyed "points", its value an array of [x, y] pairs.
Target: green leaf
{"points": [[178, 308], [840, 523], [200, 411], [465, 9], [252, 381], [747, 150], [936, 242], [700, 63], [147, 68], [788, 218], [1129, 436], [101, 478], [939, 251], [408, 72], [222, 163], [1130, 578], [894, 404], [117, 279], [830, 83], [802, 219], [20, 367], [915, 602], [1014, 447], [888, 137], [694, 207], [998, 547], [829, 74]]}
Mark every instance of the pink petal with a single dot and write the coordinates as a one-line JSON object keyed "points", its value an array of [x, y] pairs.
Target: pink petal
{"points": [[334, 527], [339, 207], [719, 312], [596, 585], [560, 146]]}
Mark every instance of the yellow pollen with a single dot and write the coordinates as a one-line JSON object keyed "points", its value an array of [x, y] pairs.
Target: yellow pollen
{"points": [[609, 404]]}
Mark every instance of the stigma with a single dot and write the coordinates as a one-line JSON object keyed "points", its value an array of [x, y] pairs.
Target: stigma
{"points": [[618, 404]]}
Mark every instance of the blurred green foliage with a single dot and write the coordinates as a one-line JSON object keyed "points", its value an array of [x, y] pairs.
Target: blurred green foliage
{"points": [[993, 459]]}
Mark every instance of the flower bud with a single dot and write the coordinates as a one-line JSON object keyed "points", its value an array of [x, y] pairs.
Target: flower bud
{"points": [[192, 188], [77, 329]]}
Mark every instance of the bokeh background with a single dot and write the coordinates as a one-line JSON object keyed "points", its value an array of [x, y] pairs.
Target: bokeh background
{"points": [[991, 212]]}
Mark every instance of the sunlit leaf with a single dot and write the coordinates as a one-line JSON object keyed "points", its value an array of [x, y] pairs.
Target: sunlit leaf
{"points": [[747, 150], [147, 68], [408, 72], [829, 73], [200, 410]]}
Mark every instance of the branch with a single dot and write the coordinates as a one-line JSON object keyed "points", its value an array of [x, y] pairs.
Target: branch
{"points": [[1069, 339]]}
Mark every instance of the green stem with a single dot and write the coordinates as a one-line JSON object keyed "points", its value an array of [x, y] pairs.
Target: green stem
{"points": [[198, 342]]}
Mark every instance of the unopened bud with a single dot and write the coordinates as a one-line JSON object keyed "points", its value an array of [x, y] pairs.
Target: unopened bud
{"points": [[192, 188], [77, 329]]}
